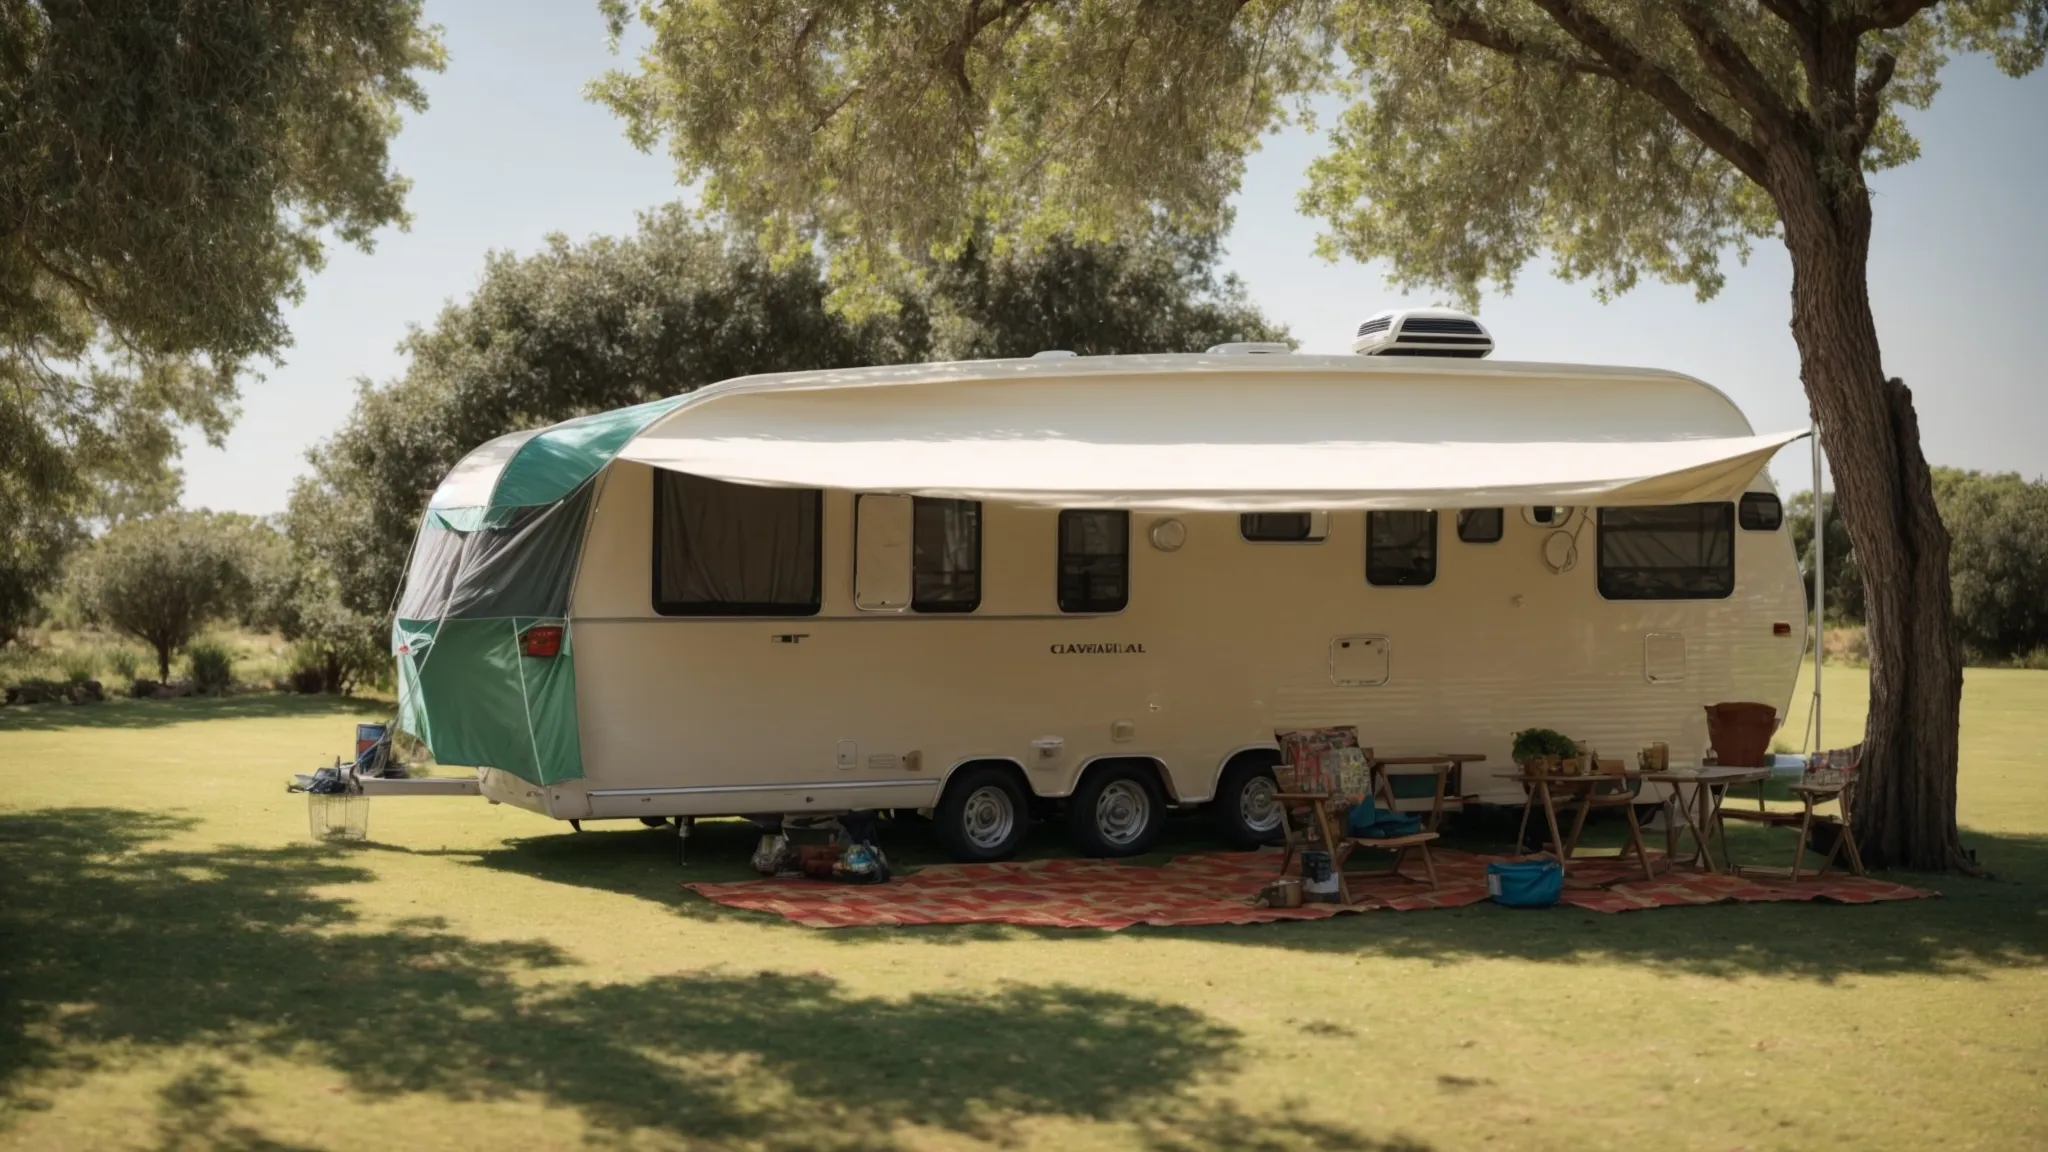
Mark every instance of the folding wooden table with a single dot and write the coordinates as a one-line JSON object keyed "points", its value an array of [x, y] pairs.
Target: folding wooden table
{"points": [[1701, 811]]}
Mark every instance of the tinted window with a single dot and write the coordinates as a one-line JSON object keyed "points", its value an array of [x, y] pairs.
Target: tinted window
{"points": [[1400, 548], [734, 549], [1095, 560], [1681, 552], [1276, 526], [1760, 512], [1480, 525], [945, 547]]}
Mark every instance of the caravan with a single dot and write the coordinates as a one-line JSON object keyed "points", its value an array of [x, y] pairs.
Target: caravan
{"points": [[1093, 586]]}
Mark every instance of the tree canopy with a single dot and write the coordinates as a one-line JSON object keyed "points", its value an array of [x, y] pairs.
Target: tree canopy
{"points": [[1476, 137], [162, 578], [168, 173]]}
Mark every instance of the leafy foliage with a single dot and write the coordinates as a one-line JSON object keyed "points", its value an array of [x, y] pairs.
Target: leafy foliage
{"points": [[210, 667], [1844, 578], [162, 578], [167, 173], [583, 328], [1480, 134], [1998, 562]]}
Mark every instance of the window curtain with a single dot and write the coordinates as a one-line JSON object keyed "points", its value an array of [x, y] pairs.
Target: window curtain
{"points": [[734, 548]]}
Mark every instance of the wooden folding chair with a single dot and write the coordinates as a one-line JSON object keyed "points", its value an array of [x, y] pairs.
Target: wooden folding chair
{"points": [[1618, 792]]}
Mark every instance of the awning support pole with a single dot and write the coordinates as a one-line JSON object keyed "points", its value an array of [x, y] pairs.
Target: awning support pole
{"points": [[1820, 584]]}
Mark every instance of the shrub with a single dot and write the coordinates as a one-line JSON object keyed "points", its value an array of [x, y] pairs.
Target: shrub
{"points": [[1849, 646], [125, 662], [78, 664], [211, 667]]}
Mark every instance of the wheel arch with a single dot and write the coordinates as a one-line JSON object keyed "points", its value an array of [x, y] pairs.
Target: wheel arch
{"points": [[1152, 764], [1262, 755], [1008, 764]]}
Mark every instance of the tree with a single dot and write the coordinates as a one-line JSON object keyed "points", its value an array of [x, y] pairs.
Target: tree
{"points": [[162, 578], [168, 172], [1624, 138], [582, 328], [2000, 562]]}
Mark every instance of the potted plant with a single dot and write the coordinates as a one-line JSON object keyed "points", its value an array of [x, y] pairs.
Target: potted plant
{"points": [[1541, 750]]}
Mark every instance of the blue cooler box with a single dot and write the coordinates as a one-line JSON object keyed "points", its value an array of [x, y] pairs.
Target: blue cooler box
{"points": [[1525, 883]]}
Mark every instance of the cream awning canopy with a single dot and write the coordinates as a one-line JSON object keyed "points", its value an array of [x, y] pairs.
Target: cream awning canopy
{"points": [[1225, 433]]}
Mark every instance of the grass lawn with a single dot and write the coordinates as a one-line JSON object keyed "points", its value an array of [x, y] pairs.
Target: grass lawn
{"points": [[180, 969]]}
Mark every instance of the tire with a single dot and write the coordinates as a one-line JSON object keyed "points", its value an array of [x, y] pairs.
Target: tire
{"points": [[983, 815], [1117, 811], [1244, 809], [655, 821]]}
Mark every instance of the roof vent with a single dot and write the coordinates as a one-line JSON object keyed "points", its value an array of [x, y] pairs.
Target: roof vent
{"points": [[1422, 332], [1052, 354], [1251, 348]]}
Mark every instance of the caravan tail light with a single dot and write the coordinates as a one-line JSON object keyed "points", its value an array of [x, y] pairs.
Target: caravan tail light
{"points": [[541, 640], [1781, 629]]}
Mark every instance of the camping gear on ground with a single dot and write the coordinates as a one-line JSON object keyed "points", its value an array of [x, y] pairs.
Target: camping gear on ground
{"points": [[1282, 893], [1319, 879], [1323, 828], [337, 816], [816, 861], [1525, 883], [773, 856]]}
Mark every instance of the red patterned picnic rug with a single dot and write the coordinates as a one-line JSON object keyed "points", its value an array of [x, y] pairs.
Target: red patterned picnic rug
{"points": [[1218, 887]]}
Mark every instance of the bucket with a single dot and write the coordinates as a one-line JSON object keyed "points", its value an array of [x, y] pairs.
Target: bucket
{"points": [[1525, 883], [337, 816], [1318, 877]]}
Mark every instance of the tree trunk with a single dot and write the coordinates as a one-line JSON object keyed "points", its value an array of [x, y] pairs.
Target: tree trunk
{"points": [[163, 661], [1906, 798]]}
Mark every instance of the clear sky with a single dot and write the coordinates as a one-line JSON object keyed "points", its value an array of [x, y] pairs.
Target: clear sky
{"points": [[510, 151]]}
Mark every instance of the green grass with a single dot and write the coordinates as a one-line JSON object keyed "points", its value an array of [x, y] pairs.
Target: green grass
{"points": [[180, 969]]}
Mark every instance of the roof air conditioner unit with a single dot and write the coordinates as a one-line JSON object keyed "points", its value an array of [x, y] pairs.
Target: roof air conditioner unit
{"points": [[1422, 332]]}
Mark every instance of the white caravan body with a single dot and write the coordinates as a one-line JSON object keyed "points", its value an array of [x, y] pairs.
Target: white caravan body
{"points": [[867, 702]]}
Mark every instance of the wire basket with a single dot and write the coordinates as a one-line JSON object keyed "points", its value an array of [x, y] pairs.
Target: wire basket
{"points": [[338, 816]]}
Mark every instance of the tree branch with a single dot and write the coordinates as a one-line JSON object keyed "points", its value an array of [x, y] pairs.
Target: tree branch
{"points": [[1746, 83], [973, 22], [1868, 108], [1646, 76], [1465, 24], [1795, 13], [1884, 14]]}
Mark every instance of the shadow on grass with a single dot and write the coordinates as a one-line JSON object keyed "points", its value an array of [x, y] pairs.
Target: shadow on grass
{"points": [[1974, 925], [119, 713], [108, 945]]}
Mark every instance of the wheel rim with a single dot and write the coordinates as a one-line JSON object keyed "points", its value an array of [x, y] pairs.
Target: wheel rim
{"points": [[1256, 806], [988, 817], [1123, 812]]}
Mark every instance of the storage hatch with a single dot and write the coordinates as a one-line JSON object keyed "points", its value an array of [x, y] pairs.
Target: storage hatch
{"points": [[1360, 661]]}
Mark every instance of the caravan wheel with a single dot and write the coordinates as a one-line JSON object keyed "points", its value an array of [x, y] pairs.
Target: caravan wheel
{"points": [[1116, 811], [982, 815], [1245, 810]]}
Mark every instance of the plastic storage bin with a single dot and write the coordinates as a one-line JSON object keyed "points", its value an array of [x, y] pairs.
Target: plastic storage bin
{"points": [[1525, 883]]}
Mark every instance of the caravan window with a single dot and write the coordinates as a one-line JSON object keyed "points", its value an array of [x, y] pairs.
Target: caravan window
{"points": [[1400, 548], [734, 549], [1680, 552], [1480, 525], [1760, 512], [1095, 560], [1279, 527], [945, 545]]}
